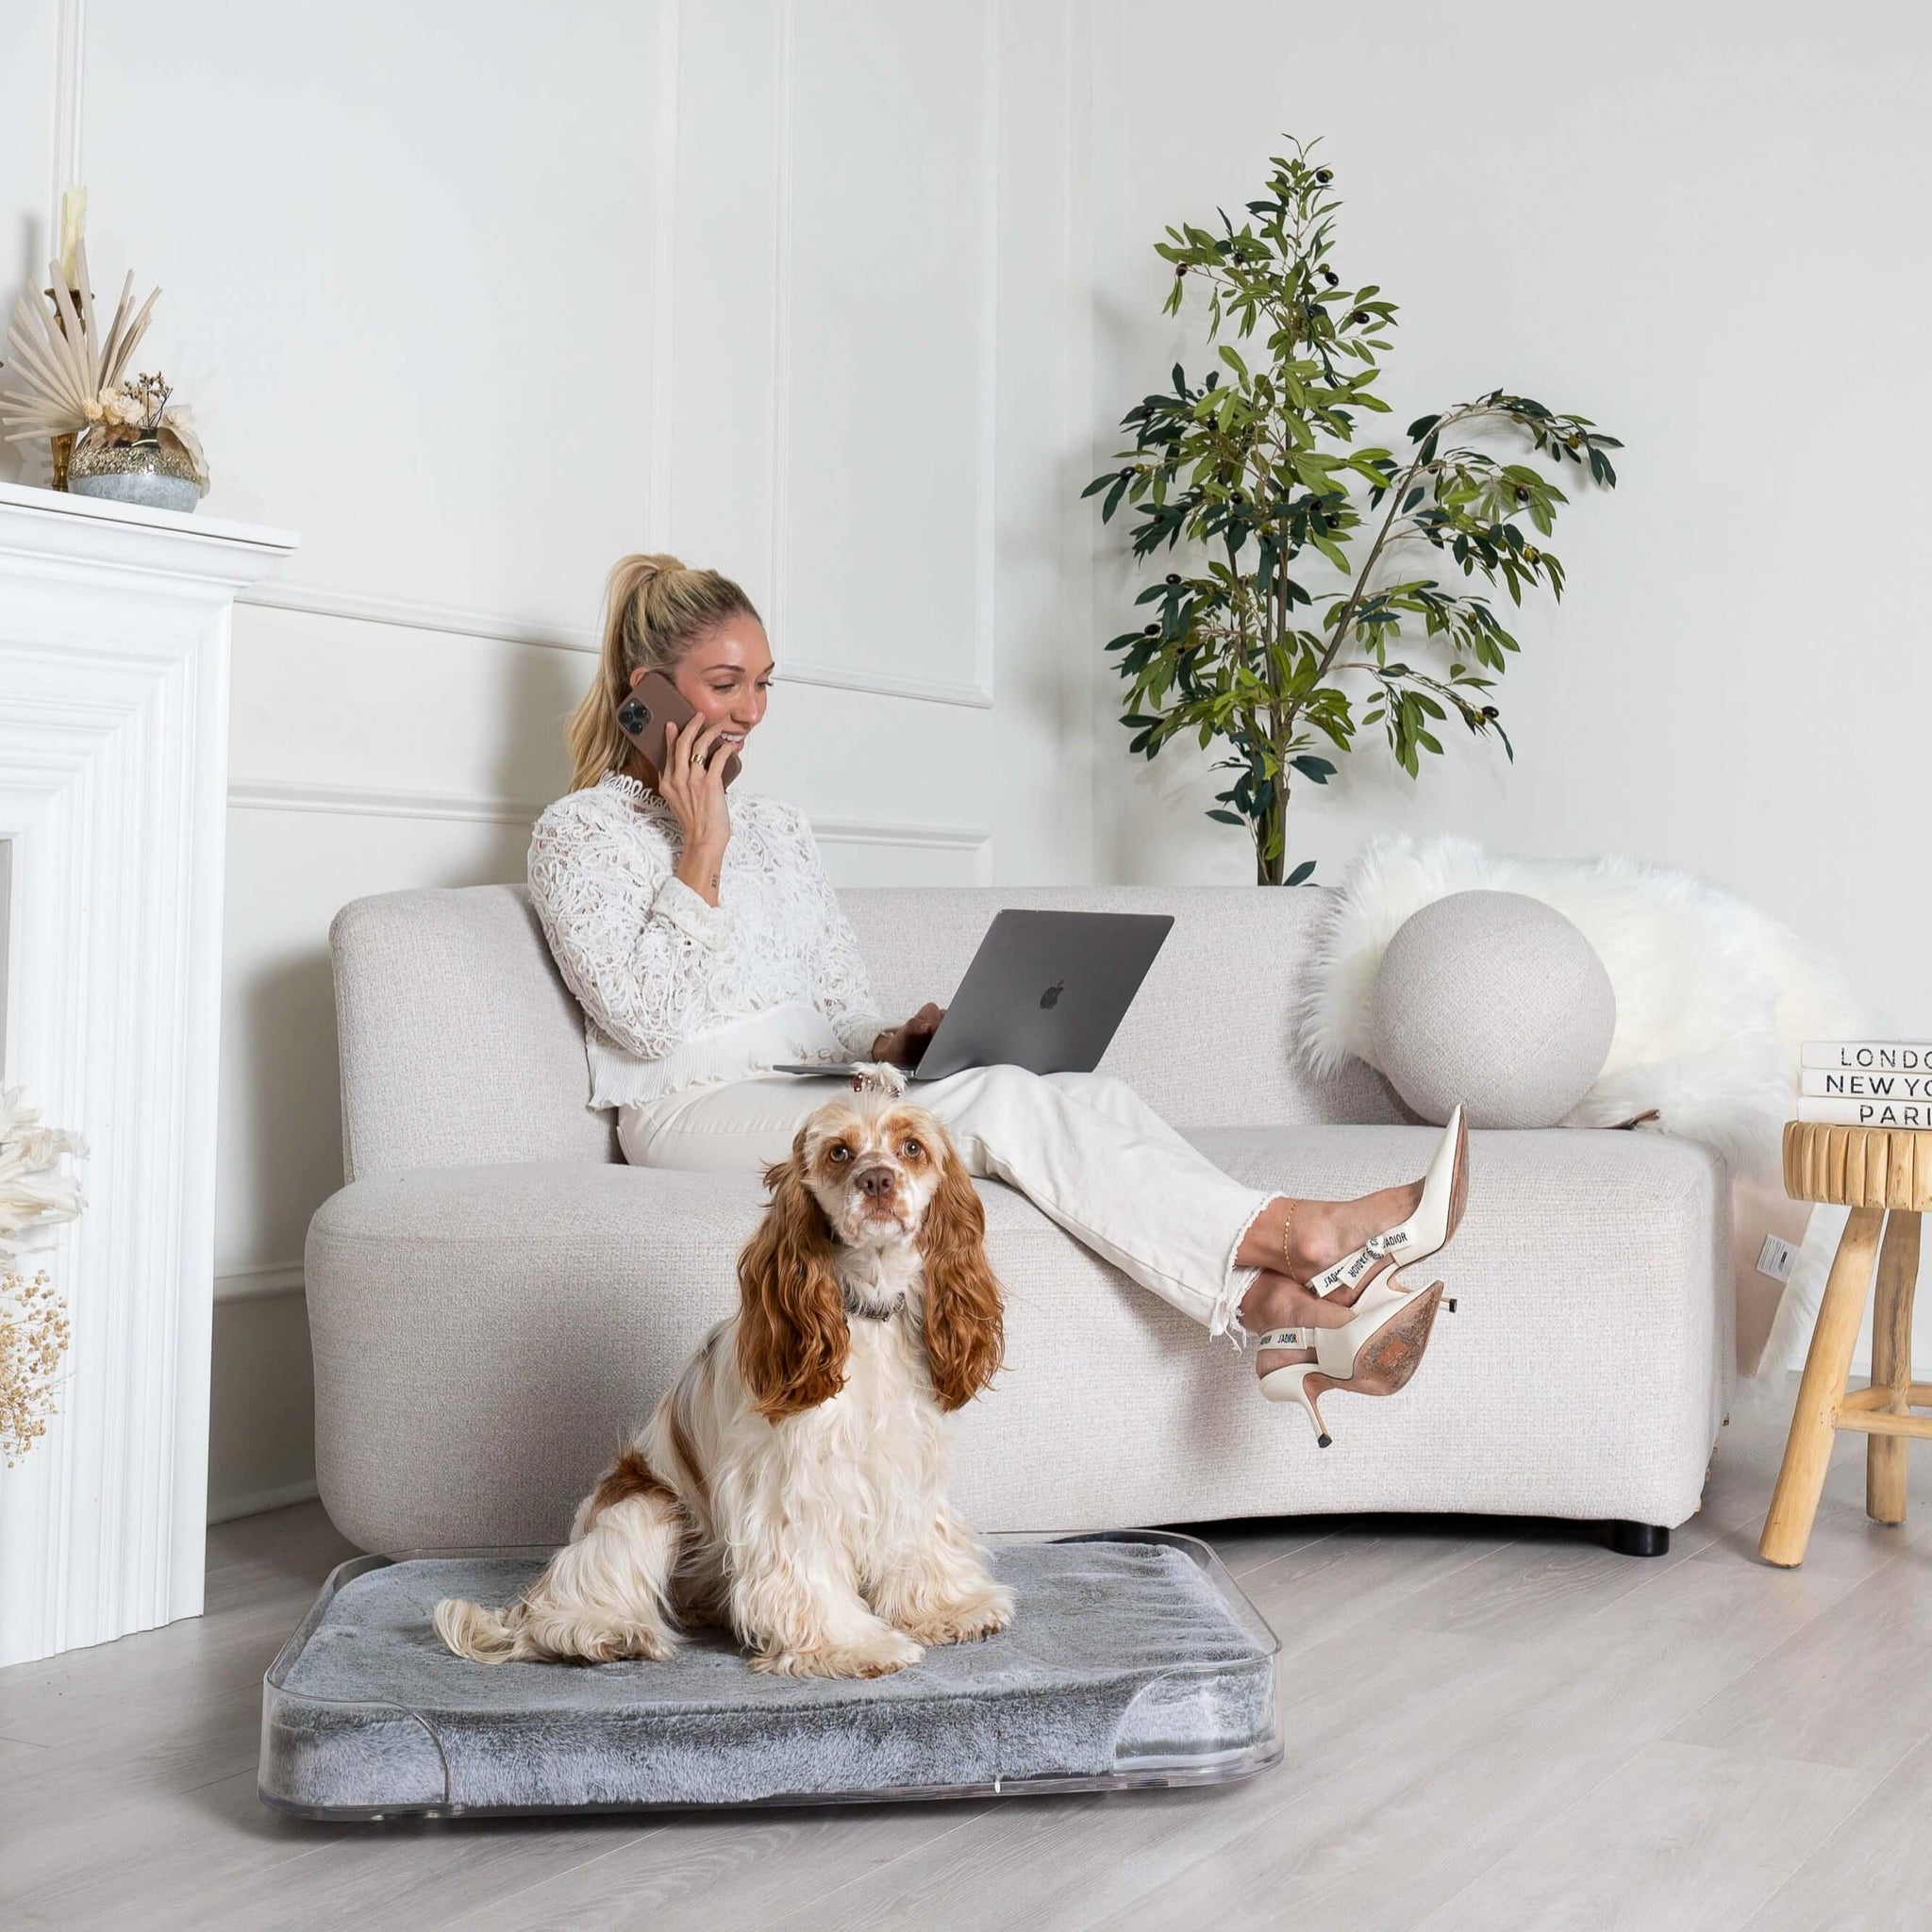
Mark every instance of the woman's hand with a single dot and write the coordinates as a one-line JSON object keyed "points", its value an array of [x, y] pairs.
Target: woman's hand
{"points": [[905, 1046], [692, 785]]}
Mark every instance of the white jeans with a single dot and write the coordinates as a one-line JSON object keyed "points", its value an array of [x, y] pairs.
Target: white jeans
{"points": [[1084, 1148]]}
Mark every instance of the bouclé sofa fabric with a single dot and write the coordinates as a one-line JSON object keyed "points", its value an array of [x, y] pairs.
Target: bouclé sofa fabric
{"points": [[494, 1301]]}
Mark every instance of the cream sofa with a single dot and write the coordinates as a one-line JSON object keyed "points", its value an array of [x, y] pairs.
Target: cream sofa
{"points": [[495, 1298]]}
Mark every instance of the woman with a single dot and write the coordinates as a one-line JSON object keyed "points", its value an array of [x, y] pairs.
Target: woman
{"points": [[700, 933]]}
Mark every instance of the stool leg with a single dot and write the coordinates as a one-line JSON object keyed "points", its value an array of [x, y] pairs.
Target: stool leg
{"points": [[1808, 1450], [1891, 1364]]}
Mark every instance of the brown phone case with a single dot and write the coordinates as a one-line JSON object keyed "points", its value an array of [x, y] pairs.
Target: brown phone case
{"points": [[654, 703]]}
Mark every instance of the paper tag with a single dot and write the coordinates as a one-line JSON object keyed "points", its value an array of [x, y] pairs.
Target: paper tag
{"points": [[1775, 1257]]}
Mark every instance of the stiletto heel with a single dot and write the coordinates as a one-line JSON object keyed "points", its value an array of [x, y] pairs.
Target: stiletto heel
{"points": [[1376, 1354], [1436, 1216], [1293, 1387]]}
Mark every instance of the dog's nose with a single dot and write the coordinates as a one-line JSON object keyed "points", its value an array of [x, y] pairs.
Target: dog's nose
{"points": [[876, 1182]]}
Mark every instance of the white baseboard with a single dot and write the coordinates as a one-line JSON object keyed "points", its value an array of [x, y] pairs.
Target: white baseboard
{"points": [[225, 1508]]}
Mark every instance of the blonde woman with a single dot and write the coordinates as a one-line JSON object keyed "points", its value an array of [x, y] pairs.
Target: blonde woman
{"points": [[703, 939]]}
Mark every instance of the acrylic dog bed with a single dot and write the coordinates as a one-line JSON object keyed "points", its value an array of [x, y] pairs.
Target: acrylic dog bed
{"points": [[1133, 1659]]}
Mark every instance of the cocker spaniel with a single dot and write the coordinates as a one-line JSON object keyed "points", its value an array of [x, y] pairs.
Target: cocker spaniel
{"points": [[792, 1483]]}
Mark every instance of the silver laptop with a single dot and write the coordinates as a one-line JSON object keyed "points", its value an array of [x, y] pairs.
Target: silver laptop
{"points": [[1045, 990]]}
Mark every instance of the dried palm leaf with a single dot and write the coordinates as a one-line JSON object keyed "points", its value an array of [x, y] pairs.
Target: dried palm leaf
{"points": [[59, 360]]}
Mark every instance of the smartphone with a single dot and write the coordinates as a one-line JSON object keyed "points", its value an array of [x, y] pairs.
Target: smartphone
{"points": [[654, 703]]}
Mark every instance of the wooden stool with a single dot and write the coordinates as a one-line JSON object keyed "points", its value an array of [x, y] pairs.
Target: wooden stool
{"points": [[1884, 1175]]}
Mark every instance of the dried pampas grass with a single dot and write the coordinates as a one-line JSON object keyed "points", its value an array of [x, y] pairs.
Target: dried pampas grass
{"points": [[63, 364]]}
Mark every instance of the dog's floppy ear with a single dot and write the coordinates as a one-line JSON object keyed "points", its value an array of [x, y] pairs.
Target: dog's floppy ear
{"points": [[792, 1340], [965, 1332]]}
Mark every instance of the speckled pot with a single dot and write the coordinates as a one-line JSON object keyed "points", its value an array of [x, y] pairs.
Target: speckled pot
{"points": [[156, 472]]}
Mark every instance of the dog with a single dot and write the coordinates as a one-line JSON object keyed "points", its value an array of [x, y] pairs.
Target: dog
{"points": [[792, 1483]]}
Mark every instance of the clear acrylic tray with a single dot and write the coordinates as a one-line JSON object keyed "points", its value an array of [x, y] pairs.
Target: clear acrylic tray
{"points": [[1134, 1659]]}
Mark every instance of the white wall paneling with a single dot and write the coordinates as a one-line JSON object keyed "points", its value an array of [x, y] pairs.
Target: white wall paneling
{"points": [[113, 747], [489, 295], [457, 622], [861, 248], [268, 796]]}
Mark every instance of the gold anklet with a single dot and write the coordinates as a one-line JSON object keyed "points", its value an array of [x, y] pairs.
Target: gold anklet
{"points": [[1287, 1223]]}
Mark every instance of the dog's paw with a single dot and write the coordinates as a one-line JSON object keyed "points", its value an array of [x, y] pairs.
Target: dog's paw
{"points": [[605, 1643], [879, 1076], [642, 1641], [985, 1613], [870, 1656]]}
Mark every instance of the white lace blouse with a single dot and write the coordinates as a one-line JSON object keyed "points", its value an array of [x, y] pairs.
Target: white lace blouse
{"points": [[675, 990]]}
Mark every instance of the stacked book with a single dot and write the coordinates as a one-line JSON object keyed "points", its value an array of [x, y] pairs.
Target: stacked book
{"points": [[1866, 1083]]}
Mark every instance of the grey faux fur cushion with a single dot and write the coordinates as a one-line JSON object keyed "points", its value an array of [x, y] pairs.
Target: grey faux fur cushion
{"points": [[1124, 1654]]}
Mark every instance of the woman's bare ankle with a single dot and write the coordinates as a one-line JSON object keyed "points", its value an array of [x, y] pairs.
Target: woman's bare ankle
{"points": [[1312, 1229], [1278, 1301], [1319, 1238], [1319, 1233]]}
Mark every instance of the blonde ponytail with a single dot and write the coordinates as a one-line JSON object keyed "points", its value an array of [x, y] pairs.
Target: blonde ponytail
{"points": [[655, 610]]}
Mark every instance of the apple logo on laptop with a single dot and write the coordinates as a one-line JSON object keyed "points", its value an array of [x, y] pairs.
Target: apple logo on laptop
{"points": [[1051, 997]]}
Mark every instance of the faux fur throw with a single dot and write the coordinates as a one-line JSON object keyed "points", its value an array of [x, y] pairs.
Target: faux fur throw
{"points": [[1714, 998]]}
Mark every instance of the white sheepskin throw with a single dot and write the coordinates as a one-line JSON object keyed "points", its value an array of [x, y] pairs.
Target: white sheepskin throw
{"points": [[1714, 998]]}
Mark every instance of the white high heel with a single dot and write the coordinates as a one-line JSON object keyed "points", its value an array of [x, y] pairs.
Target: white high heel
{"points": [[1376, 1354], [1378, 1348], [1436, 1216]]}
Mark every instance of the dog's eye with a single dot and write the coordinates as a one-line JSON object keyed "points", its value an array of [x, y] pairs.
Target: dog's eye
{"points": [[913, 1151], [842, 1151]]}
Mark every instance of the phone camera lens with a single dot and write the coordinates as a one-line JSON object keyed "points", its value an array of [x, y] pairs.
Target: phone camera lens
{"points": [[634, 716]]}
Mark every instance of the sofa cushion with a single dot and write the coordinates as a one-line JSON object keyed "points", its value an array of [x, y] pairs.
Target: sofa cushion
{"points": [[1210, 1036], [459, 1042], [461, 1046], [486, 1337]]}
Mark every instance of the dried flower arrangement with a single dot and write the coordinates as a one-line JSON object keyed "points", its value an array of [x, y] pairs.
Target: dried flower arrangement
{"points": [[141, 409], [34, 1195], [60, 356], [132, 406]]}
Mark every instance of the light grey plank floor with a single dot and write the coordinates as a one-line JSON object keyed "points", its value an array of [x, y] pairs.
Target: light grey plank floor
{"points": [[1488, 1723]]}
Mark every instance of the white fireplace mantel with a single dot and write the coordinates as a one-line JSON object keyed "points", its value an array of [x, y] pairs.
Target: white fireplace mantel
{"points": [[113, 765]]}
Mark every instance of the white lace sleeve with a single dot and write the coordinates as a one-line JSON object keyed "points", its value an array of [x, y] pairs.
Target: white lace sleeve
{"points": [[840, 985], [650, 960]]}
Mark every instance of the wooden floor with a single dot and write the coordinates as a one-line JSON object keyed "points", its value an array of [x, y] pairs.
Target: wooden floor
{"points": [[1489, 1724]]}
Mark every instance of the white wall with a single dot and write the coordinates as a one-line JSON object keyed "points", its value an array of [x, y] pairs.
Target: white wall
{"points": [[1706, 229], [846, 298]]}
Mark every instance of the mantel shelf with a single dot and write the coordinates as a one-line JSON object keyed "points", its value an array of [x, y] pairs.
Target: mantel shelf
{"points": [[53, 523]]}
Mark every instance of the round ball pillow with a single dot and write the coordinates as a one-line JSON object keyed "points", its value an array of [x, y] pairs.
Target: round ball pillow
{"points": [[1496, 1000]]}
